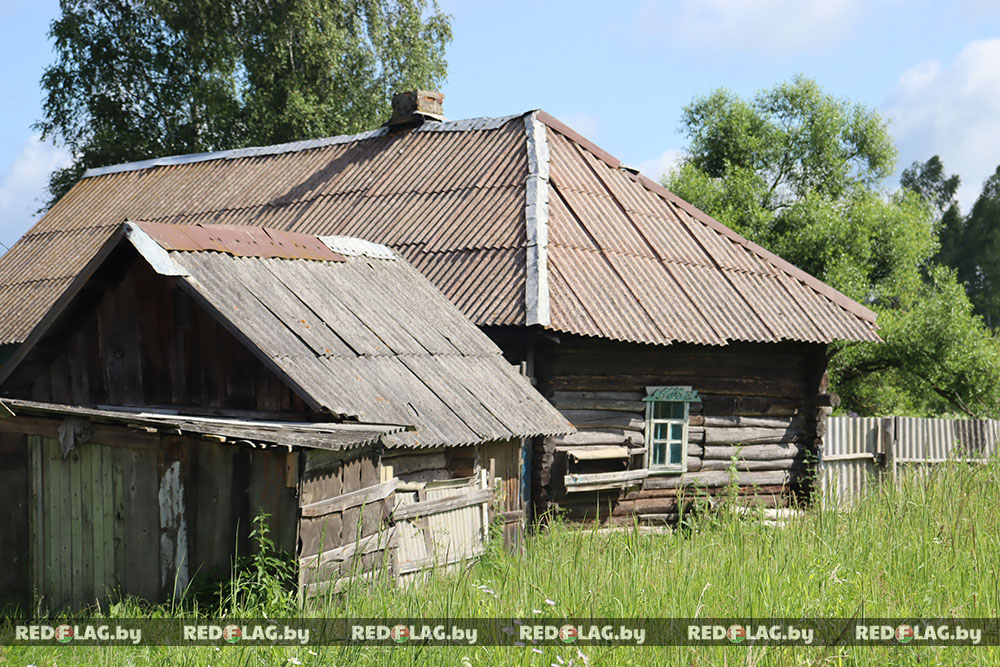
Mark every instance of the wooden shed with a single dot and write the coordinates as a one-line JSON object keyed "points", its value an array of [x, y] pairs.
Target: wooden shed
{"points": [[193, 377], [670, 341]]}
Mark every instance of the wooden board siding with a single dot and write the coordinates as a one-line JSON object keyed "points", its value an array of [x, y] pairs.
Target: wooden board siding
{"points": [[760, 403], [146, 343], [502, 462], [14, 520], [142, 515], [343, 530]]}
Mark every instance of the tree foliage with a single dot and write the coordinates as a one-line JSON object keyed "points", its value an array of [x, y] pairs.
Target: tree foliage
{"points": [[801, 172], [136, 79]]}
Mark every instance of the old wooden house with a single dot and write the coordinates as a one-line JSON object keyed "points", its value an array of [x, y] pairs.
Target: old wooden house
{"points": [[191, 377], [670, 341]]}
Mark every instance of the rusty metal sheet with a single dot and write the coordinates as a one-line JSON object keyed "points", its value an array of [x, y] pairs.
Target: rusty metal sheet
{"points": [[240, 240]]}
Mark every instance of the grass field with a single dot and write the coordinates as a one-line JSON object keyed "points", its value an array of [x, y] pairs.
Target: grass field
{"points": [[930, 548]]}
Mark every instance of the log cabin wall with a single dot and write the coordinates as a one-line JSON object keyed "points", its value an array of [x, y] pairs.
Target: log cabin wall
{"points": [[147, 343], [760, 402]]}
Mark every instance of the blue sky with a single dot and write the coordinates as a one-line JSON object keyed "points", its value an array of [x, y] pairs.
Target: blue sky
{"points": [[620, 73]]}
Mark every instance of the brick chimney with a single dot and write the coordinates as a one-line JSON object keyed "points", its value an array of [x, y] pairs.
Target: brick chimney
{"points": [[416, 106]]}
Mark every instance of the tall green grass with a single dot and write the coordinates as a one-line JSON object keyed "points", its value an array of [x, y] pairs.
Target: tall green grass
{"points": [[929, 547]]}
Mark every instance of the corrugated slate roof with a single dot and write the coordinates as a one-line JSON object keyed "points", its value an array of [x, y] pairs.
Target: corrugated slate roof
{"points": [[354, 329], [624, 258]]}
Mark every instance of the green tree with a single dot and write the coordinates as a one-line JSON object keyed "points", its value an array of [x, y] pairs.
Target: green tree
{"points": [[977, 256], [136, 79], [801, 173]]}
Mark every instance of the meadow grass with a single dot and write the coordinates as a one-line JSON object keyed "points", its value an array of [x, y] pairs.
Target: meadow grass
{"points": [[928, 548]]}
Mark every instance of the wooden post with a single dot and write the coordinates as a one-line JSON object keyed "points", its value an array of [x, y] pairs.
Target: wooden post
{"points": [[888, 428]]}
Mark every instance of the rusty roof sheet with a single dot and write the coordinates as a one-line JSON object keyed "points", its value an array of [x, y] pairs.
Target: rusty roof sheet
{"points": [[240, 241], [626, 259]]}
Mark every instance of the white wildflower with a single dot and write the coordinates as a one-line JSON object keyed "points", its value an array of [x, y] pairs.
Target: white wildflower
{"points": [[537, 650], [551, 603], [295, 661]]}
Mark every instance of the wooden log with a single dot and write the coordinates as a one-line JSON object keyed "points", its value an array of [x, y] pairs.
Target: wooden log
{"points": [[696, 420], [785, 388], [695, 450], [721, 479], [718, 404], [827, 400], [603, 437], [695, 464], [589, 419], [753, 452], [696, 434], [616, 401], [752, 465], [763, 422], [753, 435]]}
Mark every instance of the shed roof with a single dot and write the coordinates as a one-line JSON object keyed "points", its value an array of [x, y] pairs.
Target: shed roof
{"points": [[356, 331], [333, 436], [518, 220]]}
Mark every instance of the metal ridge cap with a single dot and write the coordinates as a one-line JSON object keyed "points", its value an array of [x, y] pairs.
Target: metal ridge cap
{"points": [[275, 149]]}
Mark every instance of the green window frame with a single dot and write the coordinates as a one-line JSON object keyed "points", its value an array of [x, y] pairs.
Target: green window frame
{"points": [[667, 417]]}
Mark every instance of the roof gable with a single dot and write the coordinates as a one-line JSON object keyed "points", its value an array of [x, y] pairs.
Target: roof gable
{"points": [[518, 220], [351, 328]]}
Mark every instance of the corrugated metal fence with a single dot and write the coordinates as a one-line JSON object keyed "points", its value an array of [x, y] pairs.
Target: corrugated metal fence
{"points": [[861, 451]]}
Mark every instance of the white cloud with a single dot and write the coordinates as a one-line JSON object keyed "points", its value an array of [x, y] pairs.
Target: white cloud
{"points": [[22, 186], [583, 122], [764, 26], [951, 110], [655, 167]]}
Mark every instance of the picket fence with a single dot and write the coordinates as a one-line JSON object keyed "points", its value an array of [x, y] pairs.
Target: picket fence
{"points": [[860, 451]]}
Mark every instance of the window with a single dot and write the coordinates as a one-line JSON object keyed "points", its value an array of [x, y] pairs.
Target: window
{"points": [[667, 427]]}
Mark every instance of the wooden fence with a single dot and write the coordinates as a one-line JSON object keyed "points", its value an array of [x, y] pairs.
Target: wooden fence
{"points": [[858, 452]]}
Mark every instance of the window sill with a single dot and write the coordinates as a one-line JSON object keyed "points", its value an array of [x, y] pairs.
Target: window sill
{"points": [[665, 471]]}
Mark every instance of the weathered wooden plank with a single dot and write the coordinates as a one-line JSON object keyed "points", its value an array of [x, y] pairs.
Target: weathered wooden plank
{"points": [[624, 476], [73, 469], [96, 506], [753, 452], [87, 482], [349, 500], [403, 465], [603, 437], [429, 507], [106, 535], [118, 465], [352, 526], [363, 545], [425, 476], [36, 524], [595, 453]]}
